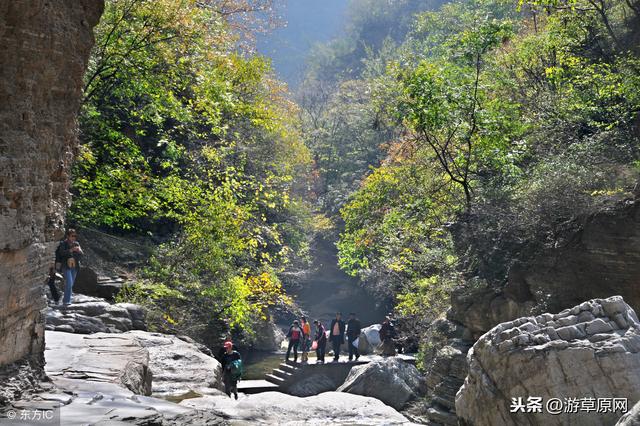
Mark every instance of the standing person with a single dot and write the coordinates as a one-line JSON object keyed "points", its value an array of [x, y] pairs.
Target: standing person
{"points": [[294, 335], [321, 341], [223, 349], [51, 282], [68, 255], [306, 339], [337, 335], [353, 332], [231, 369], [387, 333]]}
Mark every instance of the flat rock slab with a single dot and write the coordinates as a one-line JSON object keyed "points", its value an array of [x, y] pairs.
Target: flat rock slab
{"points": [[328, 408], [100, 357]]}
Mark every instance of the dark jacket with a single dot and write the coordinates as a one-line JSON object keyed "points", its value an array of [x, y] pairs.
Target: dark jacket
{"points": [[341, 327], [228, 358], [353, 328], [63, 252], [321, 334], [387, 331]]}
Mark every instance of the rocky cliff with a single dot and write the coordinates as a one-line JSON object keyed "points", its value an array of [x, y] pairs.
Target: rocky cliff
{"points": [[44, 47]]}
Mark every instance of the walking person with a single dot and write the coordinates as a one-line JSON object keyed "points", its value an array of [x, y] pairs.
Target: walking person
{"points": [[68, 255], [387, 333], [306, 339], [231, 369], [321, 341], [353, 332], [294, 335], [336, 331]]}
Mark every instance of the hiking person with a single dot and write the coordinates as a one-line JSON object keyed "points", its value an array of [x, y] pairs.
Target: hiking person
{"points": [[306, 339], [294, 335], [321, 341], [231, 369], [220, 355], [336, 334], [353, 332], [68, 255], [51, 282], [387, 333]]}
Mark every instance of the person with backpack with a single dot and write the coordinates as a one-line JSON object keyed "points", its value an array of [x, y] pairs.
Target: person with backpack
{"points": [[320, 341], [336, 333], [353, 332], [68, 255], [306, 339], [231, 369], [294, 335], [387, 334]]}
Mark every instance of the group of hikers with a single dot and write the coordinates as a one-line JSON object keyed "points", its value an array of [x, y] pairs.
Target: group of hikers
{"points": [[66, 265], [299, 336]]}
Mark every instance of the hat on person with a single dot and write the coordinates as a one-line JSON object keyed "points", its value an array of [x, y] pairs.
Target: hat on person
{"points": [[228, 345]]}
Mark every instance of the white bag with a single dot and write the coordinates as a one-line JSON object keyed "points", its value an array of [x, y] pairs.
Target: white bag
{"points": [[355, 342]]}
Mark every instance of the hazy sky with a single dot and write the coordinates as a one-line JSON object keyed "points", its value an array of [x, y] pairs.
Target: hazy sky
{"points": [[307, 22]]}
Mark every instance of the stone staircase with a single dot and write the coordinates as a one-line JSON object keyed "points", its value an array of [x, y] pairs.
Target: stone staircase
{"points": [[284, 374]]}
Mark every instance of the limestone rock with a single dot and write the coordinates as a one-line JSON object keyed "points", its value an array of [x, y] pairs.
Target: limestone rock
{"points": [[541, 357], [596, 257], [312, 385], [269, 337], [632, 418], [390, 380], [88, 315], [178, 367], [100, 357], [270, 408], [369, 339], [44, 48]]}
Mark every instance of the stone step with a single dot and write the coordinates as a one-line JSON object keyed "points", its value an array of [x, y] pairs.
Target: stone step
{"points": [[284, 374], [274, 379], [256, 386], [288, 367]]}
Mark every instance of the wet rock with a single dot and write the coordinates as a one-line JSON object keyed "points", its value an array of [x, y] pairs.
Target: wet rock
{"points": [[592, 359], [390, 380]]}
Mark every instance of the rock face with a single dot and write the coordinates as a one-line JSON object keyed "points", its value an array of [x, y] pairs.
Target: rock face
{"points": [[312, 385], [632, 418], [44, 47], [270, 408], [598, 259], [101, 357], [589, 351], [178, 367], [94, 315], [269, 337], [390, 380]]}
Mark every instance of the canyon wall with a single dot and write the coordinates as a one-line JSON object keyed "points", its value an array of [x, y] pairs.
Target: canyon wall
{"points": [[44, 48]]}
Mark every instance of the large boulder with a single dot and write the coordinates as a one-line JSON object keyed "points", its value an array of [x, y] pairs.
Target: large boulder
{"points": [[390, 380], [178, 367], [369, 339], [271, 408], [100, 357], [269, 337], [587, 352]]}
